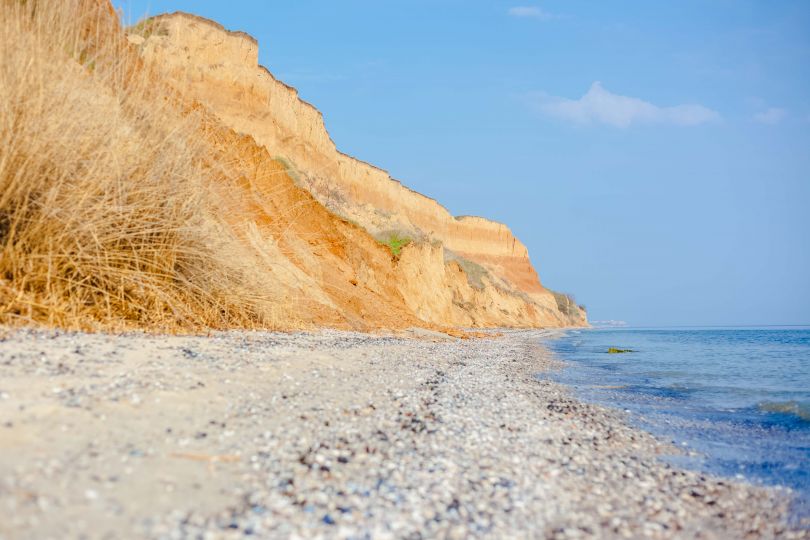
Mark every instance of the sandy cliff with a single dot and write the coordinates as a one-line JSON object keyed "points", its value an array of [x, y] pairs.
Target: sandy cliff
{"points": [[164, 180], [219, 70]]}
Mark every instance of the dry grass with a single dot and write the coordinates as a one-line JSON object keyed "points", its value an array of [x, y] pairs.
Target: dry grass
{"points": [[566, 304], [475, 272], [106, 217]]}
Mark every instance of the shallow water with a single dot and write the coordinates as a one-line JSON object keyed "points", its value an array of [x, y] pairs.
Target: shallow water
{"points": [[738, 397]]}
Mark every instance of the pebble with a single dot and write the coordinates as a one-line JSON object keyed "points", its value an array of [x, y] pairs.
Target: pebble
{"points": [[372, 437]]}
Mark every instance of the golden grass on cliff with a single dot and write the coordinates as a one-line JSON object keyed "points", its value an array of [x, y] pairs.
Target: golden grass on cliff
{"points": [[106, 217]]}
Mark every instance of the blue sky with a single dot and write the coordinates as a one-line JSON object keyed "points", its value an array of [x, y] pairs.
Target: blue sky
{"points": [[654, 157]]}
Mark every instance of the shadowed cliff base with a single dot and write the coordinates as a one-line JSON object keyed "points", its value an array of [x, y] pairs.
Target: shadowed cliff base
{"points": [[145, 188]]}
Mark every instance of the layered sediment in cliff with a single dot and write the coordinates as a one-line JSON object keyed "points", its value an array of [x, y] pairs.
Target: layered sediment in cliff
{"points": [[466, 271]]}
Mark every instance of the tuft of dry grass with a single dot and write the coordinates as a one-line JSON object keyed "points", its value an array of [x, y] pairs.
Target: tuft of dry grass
{"points": [[106, 213], [566, 304], [475, 272]]}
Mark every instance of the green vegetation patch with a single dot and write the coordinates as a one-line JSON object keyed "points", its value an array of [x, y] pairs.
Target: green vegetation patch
{"points": [[395, 241], [614, 350]]}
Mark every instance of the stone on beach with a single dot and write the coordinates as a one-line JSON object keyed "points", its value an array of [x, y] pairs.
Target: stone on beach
{"points": [[335, 434]]}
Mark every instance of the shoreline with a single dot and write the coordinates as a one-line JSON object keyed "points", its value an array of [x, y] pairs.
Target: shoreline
{"points": [[337, 434]]}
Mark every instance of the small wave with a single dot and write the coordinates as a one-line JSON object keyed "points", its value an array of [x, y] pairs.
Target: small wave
{"points": [[801, 410]]}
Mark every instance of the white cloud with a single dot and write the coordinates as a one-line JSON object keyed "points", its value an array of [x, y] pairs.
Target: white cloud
{"points": [[771, 116], [529, 11], [599, 105]]}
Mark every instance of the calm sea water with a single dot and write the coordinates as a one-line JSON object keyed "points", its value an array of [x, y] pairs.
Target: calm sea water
{"points": [[738, 398]]}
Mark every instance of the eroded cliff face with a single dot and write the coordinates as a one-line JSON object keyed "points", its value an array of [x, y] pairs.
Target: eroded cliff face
{"points": [[465, 271]]}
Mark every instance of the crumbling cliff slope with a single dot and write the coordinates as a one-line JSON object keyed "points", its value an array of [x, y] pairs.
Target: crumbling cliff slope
{"points": [[157, 177], [220, 70]]}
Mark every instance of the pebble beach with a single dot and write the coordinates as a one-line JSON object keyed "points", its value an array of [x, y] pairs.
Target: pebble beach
{"points": [[335, 435]]}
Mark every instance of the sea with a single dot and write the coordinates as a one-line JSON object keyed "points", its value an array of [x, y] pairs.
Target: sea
{"points": [[737, 399]]}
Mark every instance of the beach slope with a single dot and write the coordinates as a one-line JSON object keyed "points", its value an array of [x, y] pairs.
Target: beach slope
{"points": [[336, 434]]}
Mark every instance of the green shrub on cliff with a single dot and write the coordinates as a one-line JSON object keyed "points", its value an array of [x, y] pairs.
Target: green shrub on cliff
{"points": [[395, 241]]}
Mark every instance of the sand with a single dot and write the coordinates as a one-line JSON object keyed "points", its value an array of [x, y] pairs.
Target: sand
{"points": [[335, 435]]}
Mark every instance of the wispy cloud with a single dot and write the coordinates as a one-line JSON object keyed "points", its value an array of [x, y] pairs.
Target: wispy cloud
{"points": [[529, 12], [771, 116], [599, 105]]}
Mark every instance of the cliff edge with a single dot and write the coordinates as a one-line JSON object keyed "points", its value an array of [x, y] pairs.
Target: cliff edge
{"points": [[163, 180], [219, 69]]}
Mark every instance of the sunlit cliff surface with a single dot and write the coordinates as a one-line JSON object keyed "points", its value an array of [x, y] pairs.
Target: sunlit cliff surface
{"points": [[308, 235]]}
